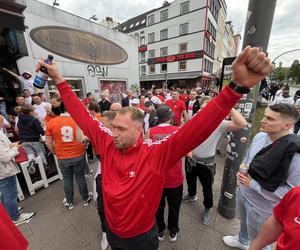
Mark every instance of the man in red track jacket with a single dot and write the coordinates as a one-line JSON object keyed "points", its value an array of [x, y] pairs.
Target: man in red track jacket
{"points": [[133, 170]]}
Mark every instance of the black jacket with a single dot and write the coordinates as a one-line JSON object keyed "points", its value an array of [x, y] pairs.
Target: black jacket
{"points": [[196, 106], [30, 128], [104, 106]]}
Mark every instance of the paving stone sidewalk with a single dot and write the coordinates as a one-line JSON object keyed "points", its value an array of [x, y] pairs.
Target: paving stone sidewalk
{"points": [[57, 228]]}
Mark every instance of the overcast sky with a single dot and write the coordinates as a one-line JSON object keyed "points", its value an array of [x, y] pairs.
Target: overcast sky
{"points": [[285, 33]]}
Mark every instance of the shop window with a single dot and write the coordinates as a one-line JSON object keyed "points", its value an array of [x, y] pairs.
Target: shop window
{"points": [[75, 84]]}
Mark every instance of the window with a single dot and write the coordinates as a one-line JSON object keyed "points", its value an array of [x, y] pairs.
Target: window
{"points": [[211, 29], [151, 19], [164, 34], [182, 65], [151, 68], [131, 26], [143, 70], [143, 21], [124, 28], [209, 48], [214, 9], [151, 53], [151, 37], [137, 23], [76, 83], [208, 66], [164, 51], [183, 48], [163, 15], [163, 67], [183, 29], [142, 40], [143, 56], [184, 7]]}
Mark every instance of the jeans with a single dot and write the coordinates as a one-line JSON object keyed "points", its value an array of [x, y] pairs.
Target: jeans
{"points": [[251, 222], [145, 241], [9, 195], [100, 206], [205, 173], [296, 127], [174, 197], [70, 167], [3, 109], [35, 148]]}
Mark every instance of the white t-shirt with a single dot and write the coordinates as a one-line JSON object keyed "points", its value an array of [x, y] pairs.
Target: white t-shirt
{"points": [[208, 147], [281, 99], [154, 99], [28, 100], [40, 110], [27, 84], [146, 121], [190, 109]]}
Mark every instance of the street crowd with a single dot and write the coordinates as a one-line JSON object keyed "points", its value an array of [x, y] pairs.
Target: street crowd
{"points": [[141, 144]]}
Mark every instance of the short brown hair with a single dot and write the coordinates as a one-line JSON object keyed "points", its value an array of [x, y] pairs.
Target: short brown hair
{"points": [[26, 109], [287, 111], [94, 106], [110, 115], [136, 114]]}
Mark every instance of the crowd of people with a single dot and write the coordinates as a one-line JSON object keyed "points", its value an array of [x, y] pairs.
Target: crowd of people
{"points": [[141, 143]]}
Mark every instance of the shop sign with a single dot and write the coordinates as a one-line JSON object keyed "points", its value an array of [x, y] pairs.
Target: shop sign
{"points": [[178, 57], [78, 45]]}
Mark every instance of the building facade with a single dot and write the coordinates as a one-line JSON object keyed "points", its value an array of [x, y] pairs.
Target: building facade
{"points": [[74, 41], [176, 43], [220, 38]]}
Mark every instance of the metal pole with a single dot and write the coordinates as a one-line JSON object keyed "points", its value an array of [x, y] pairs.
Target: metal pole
{"points": [[257, 33]]}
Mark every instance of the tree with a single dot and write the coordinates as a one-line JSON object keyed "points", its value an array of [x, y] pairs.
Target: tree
{"points": [[295, 71], [280, 73]]}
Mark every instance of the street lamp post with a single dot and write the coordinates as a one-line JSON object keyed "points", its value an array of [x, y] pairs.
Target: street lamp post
{"points": [[257, 32], [286, 52]]}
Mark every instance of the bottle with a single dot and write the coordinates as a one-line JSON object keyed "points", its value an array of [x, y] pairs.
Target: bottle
{"points": [[41, 77]]}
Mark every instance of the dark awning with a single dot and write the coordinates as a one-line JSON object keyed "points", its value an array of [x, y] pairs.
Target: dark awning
{"points": [[12, 20]]}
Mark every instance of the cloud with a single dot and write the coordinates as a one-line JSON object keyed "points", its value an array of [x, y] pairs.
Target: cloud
{"points": [[285, 33]]}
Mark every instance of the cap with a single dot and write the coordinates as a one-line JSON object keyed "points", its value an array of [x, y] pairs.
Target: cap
{"points": [[26, 72], [164, 113], [135, 101], [148, 103]]}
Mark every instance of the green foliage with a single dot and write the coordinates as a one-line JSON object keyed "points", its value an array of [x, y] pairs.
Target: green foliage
{"points": [[135, 88], [295, 72], [280, 73]]}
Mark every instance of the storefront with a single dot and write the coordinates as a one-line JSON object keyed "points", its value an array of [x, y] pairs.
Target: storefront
{"points": [[90, 57], [12, 47]]}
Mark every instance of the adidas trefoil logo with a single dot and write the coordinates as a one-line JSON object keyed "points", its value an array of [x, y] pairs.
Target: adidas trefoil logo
{"points": [[132, 173]]}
